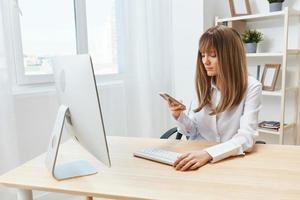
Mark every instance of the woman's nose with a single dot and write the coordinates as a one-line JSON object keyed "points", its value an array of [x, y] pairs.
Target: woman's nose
{"points": [[206, 60]]}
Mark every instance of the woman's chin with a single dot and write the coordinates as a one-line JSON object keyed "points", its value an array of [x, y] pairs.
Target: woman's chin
{"points": [[210, 73]]}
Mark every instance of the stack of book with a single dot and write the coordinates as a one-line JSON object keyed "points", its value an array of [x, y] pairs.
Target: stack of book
{"points": [[273, 125]]}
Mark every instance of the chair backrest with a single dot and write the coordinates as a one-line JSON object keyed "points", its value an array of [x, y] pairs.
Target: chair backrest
{"points": [[171, 132]]}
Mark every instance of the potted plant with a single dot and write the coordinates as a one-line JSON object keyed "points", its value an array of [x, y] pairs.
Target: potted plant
{"points": [[251, 38], [275, 5]]}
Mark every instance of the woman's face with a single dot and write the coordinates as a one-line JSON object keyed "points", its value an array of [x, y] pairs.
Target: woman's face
{"points": [[210, 61]]}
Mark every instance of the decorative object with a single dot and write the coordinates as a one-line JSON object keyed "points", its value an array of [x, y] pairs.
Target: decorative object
{"points": [[239, 25], [269, 76], [251, 47], [275, 5], [239, 7], [258, 72], [251, 38]]}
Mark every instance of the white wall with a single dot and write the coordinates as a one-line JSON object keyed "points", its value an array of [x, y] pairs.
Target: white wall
{"points": [[190, 19], [187, 28]]}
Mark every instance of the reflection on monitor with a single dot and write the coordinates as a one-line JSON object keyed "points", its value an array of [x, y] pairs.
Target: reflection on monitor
{"points": [[80, 109]]}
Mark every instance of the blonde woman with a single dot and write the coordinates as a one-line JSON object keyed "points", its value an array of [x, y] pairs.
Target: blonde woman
{"points": [[228, 101]]}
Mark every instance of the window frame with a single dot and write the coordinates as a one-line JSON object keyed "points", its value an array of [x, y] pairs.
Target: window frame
{"points": [[81, 39]]}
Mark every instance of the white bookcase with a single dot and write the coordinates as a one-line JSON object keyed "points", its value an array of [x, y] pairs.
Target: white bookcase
{"points": [[283, 56]]}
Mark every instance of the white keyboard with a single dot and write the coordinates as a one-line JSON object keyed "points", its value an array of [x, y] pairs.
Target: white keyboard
{"points": [[159, 155]]}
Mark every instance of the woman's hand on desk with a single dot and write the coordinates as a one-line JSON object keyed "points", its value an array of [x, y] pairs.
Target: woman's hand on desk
{"points": [[192, 160]]}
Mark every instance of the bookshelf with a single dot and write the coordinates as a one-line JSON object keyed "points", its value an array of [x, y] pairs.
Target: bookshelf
{"points": [[284, 55]]}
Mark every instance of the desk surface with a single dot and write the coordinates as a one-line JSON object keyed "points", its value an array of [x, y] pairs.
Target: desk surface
{"points": [[270, 172]]}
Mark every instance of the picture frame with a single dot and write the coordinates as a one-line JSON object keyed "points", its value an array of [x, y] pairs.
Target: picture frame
{"points": [[239, 7], [270, 76]]}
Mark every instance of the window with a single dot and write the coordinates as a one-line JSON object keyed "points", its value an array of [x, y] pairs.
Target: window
{"points": [[101, 28], [53, 27], [47, 30]]}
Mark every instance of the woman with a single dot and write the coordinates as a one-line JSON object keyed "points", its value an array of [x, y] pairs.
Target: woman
{"points": [[228, 101]]}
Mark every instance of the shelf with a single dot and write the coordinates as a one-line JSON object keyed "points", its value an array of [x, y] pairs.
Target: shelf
{"points": [[279, 92], [251, 55], [262, 130], [288, 126], [280, 55], [269, 54], [272, 93], [293, 51], [256, 17]]}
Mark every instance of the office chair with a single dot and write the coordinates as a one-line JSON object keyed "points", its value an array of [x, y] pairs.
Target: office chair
{"points": [[174, 130]]}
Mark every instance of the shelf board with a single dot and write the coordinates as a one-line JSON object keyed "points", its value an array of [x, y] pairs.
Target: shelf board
{"points": [[294, 12], [291, 89], [293, 51], [275, 54], [272, 93], [274, 132], [264, 55], [262, 130], [261, 16], [278, 93]]}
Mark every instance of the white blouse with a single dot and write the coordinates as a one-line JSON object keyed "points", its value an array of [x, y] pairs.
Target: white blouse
{"points": [[237, 128]]}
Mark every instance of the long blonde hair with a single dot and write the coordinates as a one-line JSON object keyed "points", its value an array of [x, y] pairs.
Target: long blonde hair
{"points": [[232, 71]]}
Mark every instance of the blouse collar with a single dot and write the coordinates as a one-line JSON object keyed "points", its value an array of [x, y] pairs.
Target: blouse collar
{"points": [[213, 85]]}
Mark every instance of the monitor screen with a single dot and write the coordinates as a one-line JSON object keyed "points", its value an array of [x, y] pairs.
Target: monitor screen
{"points": [[76, 88]]}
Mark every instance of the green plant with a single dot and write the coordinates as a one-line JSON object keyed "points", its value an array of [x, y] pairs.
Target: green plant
{"points": [[275, 1], [252, 36]]}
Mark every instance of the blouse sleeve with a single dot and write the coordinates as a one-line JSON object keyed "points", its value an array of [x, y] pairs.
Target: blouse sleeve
{"points": [[244, 139], [188, 123]]}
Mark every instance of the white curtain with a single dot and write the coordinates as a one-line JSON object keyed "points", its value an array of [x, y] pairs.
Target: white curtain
{"points": [[146, 62], [8, 139]]}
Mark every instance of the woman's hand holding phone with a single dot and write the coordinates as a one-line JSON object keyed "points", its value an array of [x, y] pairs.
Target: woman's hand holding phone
{"points": [[175, 106]]}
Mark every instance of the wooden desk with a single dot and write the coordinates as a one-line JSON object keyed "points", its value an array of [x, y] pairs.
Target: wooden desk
{"points": [[270, 172]]}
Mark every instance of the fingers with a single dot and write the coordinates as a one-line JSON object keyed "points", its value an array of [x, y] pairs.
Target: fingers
{"points": [[176, 108], [190, 161], [180, 158], [183, 162], [173, 104], [188, 165], [196, 166]]}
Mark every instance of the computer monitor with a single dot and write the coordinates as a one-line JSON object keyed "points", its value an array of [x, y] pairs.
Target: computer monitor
{"points": [[80, 106]]}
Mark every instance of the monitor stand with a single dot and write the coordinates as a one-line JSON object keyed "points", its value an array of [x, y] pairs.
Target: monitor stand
{"points": [[68, 170]]}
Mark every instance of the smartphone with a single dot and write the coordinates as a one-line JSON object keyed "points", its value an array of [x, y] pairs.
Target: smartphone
{"points": [[167, 96]]}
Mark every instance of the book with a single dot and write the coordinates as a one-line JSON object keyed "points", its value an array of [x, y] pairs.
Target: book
{"points": [[274, 125]]}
